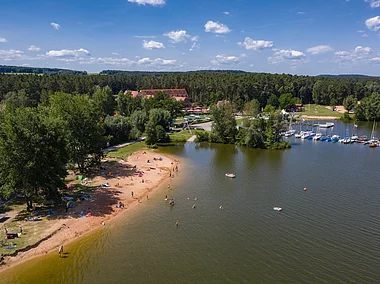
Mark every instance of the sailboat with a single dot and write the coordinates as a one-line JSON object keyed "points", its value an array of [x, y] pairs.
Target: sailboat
{"points": [[373, 142], [291, 131]]}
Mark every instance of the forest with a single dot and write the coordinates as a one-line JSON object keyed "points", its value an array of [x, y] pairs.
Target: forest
{"points": [[65, 121]]}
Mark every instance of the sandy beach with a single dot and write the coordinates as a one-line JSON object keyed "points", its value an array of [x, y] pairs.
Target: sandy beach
{"points": [[127, 181]]}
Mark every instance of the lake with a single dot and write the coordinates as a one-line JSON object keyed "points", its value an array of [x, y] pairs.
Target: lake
{"points": [[326, 234]]}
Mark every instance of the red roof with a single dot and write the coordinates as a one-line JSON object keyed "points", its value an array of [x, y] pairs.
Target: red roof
{"points": [[178, 94]]}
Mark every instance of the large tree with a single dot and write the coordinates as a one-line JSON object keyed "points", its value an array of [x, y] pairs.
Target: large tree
{"points": [[84, 132], [224, 124], [32, 154]]}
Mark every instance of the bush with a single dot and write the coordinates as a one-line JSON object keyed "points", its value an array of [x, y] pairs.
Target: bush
{"points": [[202, 136], [346, 117]]}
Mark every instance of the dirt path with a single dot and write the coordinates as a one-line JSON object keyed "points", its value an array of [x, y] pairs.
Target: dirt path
{"points": [[192, 138]]}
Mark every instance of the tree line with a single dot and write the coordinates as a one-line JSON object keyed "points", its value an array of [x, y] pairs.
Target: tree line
{"points": [[39, 142], [204, 88]]}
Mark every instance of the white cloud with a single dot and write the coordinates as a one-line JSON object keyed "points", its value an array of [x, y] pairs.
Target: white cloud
{"points": [[11, 54], [115, 53], [146, 61], [194, 46], [301, 13], [149, 45], [55, 26], [156, 62], [362, 50], [373, 3], [373, 24], [226, 13], [216, 27], [34, 48], [360, 53], [319, 49], [3, 39], [225, 60], [149, 2], [250, 43], [180, 36], [285, 55], [68, 55]]}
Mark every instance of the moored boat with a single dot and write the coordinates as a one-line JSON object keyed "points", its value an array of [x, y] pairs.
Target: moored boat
{"points": [[230, 175], [276, 208]]}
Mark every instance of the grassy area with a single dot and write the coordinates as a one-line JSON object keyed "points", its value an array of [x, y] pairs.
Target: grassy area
{"points": [[181, 136], [318, 110], [127, 150], [33, 231]]}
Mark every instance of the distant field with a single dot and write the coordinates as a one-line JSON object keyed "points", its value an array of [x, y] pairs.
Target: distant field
{"points": [[318, 110], [181, 136], [127, 150]]}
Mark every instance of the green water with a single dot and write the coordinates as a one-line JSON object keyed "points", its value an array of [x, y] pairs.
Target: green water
{"points": [[327, 234]]}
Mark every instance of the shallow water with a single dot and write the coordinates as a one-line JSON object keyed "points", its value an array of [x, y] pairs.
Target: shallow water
{"points": [[329, 233]]}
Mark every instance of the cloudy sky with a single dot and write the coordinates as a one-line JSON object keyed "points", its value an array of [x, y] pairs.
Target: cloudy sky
{"points": [[277, 36]]}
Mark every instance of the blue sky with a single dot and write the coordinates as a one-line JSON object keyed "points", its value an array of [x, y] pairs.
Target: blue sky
{"points": [[308, 37]]}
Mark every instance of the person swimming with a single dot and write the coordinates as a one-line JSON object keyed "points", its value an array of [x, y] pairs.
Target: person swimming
{"points": [[193, 206]]}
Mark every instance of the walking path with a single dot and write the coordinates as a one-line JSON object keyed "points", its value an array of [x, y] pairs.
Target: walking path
{"points": [[192, 138]]}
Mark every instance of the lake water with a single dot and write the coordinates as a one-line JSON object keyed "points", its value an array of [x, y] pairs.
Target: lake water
{"points": [[327, 234]]}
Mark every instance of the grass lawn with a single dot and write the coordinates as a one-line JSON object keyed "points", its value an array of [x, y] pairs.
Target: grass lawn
{"points": [[127, 150], [34, 231], [181, 136], [317, 110]]}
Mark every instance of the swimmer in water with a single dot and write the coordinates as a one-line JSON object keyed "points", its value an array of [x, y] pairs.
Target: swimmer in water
{"points": [[194, 206], [176, 223], [220, 207]]}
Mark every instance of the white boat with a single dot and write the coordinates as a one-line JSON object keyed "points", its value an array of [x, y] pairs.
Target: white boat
{"points": [[277, 208], [229, 175], [326, 125], [317, 136]]}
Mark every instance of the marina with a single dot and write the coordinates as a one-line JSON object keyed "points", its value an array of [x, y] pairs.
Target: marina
{"points": [[333, 132]]}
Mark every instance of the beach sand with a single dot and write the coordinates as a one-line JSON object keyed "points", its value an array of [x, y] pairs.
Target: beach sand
{"points": [[122, 179]]}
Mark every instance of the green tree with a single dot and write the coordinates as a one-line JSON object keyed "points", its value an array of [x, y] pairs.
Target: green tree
{"points": [[138, 120], [104, 101], [84, 132], [349, 103], [33, 156], [224, 124], [273, 101], [119, 127], [286, 101], [251, 108], [157, 117]]}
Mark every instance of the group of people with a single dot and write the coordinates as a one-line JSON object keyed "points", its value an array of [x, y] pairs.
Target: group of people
{"points": [[120, 205]]}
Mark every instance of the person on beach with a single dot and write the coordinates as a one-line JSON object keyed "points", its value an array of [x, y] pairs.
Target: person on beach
{"points": [[176, 223], [60, 251], [132, 194], [5, 231], [20, 230]]}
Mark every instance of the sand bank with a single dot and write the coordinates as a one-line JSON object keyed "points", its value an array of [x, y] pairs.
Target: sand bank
{"points": [[122, 177]]}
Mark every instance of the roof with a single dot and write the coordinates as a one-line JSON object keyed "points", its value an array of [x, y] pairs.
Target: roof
{"points": [[170, 92]]}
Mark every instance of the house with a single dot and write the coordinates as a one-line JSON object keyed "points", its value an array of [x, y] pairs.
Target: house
{"points": [[177, 94], [134, 93]]}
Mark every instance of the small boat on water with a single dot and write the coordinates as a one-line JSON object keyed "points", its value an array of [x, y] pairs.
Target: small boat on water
{"points": [[230, 175], [326, 125], [276, 208]]}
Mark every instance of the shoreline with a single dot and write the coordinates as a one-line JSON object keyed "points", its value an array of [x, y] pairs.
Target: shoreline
{"points": [[124, 180], [316, 117]]}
